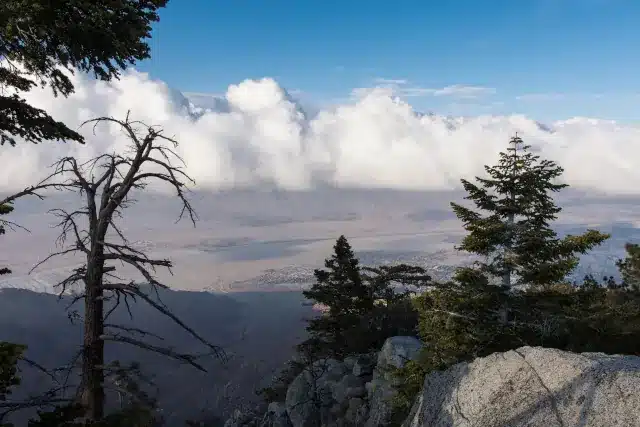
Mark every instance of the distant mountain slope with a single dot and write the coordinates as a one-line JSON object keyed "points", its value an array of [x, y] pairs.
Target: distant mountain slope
{"points": [[257, 330]]}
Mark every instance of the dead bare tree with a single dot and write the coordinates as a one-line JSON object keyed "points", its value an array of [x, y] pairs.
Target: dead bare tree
{"points": [[106, 184]]}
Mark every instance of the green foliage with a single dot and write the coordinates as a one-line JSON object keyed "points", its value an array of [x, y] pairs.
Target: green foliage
{"points": [[393, 312], [464, 319], [5, 209], [138, 410], [515, 235], [9, 356], [467, 318], [471, 317], [61, 416], [630, 267], [40, 38], [340, 286], [341, 290], [363, 306], [410, 379], [137, 407]]}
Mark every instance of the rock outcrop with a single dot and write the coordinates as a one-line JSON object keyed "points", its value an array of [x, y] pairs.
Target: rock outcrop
{"points": [[533, 387], [395, 352], [527, 387], [338, 393]]}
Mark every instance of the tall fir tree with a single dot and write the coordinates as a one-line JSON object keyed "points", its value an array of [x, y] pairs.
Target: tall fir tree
{"points": [[341, 290], [363, 307], [515, 236]]}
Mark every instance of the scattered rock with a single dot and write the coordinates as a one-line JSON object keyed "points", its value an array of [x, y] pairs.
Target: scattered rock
{"points": [[530, 386], [350, 361], [335, 393], [349, 386], [396, 351], [363, 365], [309, 396]]}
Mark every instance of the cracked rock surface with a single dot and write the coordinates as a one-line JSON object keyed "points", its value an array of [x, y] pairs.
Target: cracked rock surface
{"points": [[533, 387], [333, 393]]}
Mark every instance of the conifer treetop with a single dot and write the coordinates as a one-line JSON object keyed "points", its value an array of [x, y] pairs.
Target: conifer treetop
{"points": [[515, 235], [39, 39]]}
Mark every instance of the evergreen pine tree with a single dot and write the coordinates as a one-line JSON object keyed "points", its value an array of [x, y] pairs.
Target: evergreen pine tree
{"points": [[629, 267], [39, 38], [393, 312], [341, 290], [363, 307], [515, 235]]}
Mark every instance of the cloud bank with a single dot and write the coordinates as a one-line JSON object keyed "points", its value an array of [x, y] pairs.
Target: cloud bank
{"points": [[256, 134]]}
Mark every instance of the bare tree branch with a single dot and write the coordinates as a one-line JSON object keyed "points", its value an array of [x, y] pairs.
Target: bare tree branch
{"points": [[187, 358], [106, 183], [135, 290], [52, 397], [132, 330], [34, 190], [39, 367]]}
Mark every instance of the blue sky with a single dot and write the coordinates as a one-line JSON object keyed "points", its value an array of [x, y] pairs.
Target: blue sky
{"points": [[549, 59]]}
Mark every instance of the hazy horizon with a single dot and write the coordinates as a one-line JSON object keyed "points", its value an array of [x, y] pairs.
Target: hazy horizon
{"points": [[243, 237]]}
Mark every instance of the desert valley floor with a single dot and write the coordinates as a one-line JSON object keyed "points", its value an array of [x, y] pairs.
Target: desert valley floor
{"points": [[262, 240]]}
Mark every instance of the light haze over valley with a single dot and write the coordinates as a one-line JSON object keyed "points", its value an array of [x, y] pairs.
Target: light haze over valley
{"points": [[271, 240]]}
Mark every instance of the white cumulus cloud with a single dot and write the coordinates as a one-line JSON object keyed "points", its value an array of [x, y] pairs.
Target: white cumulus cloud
{"points": [[257, 133]]}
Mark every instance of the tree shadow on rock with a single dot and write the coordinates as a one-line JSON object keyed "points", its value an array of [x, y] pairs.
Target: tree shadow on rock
{"points": [[601, 394]]}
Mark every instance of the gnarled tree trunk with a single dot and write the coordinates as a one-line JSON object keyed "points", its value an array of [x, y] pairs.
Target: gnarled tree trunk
{"points": [[93, 345]]}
